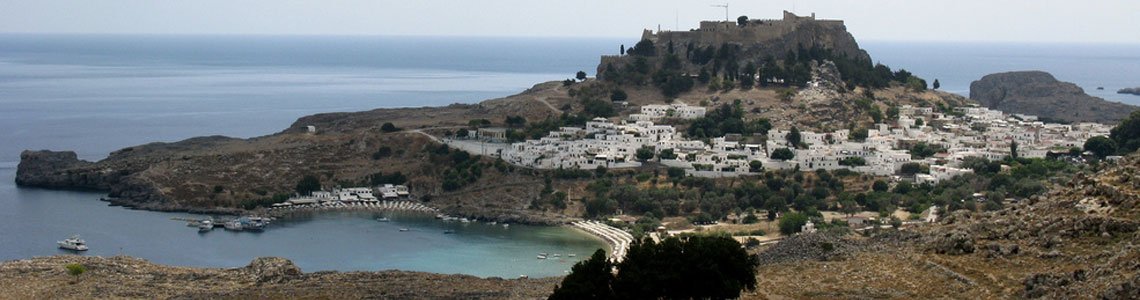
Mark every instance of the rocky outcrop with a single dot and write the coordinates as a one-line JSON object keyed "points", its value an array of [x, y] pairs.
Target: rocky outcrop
{"points": [[1130, 91], [1040, 94], [123, 277]]}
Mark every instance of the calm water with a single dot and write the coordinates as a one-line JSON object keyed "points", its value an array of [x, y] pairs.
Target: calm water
{"points": [[96, 94]]}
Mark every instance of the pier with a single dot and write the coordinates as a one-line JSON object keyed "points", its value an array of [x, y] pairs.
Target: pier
{"points": [[354, 206]]}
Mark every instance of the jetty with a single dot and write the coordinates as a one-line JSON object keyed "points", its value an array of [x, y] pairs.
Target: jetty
{"points": [[618, 239]]}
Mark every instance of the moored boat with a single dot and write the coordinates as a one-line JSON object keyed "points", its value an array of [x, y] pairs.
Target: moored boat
{"points": [[73, 243]]}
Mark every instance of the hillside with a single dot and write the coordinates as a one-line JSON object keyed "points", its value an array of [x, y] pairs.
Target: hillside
{"points": [[1075, 242]]}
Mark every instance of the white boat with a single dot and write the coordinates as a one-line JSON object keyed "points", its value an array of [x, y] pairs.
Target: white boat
{"points": [[382, 219], [234, 225], [403, 229], [540, 256], [73, 243], [205, 225]]}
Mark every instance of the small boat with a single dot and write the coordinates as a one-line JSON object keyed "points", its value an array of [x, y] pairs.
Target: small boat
{"points": [[404, 229], [449, 231], [1100, 88], [234, 225], [382, 219], [505, 225], [205, 225], [540, 256], [73, 243], [464, 220], [557, 255], [572, 255]]}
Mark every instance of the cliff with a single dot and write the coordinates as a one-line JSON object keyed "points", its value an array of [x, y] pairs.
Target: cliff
{"points": [[754, 41], [122, 277], [1040, 94]]}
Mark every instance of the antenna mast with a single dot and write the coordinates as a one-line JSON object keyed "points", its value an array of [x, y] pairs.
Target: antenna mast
{"points": [[725, 6]]}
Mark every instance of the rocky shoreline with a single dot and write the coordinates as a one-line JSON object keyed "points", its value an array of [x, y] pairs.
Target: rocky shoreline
{"points": [[124, 277]]}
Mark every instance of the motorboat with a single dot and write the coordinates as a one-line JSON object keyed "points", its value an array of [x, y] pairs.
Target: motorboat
{"points": [[73, 243], [205, 225], [382, 219], [234, 225], [449, 231], [404, 229]]}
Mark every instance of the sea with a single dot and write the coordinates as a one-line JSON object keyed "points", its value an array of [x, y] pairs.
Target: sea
{"points": [[97, 93]]}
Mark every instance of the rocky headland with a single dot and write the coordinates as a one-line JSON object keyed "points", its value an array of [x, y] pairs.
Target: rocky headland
{"points": [[123, 277], [1130, 91], [1040, 94]]}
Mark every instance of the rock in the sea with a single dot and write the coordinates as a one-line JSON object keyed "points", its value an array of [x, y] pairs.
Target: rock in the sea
{"points": [[1130, 91], [1040, 94]]}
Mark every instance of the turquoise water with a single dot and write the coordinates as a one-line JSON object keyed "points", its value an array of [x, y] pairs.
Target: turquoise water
{"points": [[98, 93]]}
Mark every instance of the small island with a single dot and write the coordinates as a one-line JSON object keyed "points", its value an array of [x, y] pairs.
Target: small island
{"points": [[1130, 91]]}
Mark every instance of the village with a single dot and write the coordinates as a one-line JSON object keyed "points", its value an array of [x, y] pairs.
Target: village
{"points": [[947, 137]]}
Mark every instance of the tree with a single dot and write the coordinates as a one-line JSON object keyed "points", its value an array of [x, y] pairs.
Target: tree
{"points": [[644, 153], [622, 49], [1127, 133], [936, 84], [643, 48], [1101, 146], [783, 154], [693, 267], [1013, 149], [588, 279], [618, 95], [462, 133], [755, 166], [581, 75], [742, 21], [389, 127], [911, 168], [794, 138], [515, 121], [792, 223], [75, 270], [308, 184], [880, 186]]}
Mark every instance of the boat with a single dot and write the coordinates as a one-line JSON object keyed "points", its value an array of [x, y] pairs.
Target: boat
{"points": [[505, 225], [540, 256], [73, 243], [557, 255], [572, 255], [1100, 88], [205, 225], [404, 229], [382, 219], [234, 225], [449, 231]]}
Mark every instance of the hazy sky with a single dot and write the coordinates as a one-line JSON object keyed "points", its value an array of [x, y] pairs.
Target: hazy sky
{"points": [[1115, 21]]}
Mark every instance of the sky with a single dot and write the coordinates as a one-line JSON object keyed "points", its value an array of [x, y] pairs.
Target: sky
{"points": [[1044, 21]]}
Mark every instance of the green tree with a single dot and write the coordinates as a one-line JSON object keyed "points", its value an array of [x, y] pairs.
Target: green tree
{"points": [[581, 75], [588, 279], [308, 184], [792, 222], [936, 84], [755, 166], [880, 186], [389, 127], [75, 270], [1013, 149], [644, 153], [1101, 146], [618, 95], [911, 168], [693, 267], [1127, 133], [794, 137], [622, 49], [515, 121], [742, 21], [643, 48], [783, 154]]}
